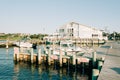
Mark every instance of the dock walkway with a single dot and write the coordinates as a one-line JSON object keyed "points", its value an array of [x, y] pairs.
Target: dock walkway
{"points": [[111, 67]]}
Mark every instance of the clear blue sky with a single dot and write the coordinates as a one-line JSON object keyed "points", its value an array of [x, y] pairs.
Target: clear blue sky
{"points": [[45, 16]]}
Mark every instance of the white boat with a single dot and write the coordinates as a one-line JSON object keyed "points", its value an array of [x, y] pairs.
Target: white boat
{"points": [[69, 46], [66, 46], [23, 44]]}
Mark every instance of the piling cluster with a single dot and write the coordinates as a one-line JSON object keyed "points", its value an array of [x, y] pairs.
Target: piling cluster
{"points": [[92, 67]]}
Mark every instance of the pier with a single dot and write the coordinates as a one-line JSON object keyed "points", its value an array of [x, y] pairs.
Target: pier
{"points": [[103, 63], [38, 56], [87, 63], [111, 67]]}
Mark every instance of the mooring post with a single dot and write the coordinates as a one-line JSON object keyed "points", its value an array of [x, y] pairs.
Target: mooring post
{"points": [[24, 57], [100, 63], [39, 56], [7, 44], [74, 59], [103, 58], [95, 73], [94, 59], [60, 59], [49, 55], [83, 68], [16, 51], [60, 55], [32, 55], [18, 56]]}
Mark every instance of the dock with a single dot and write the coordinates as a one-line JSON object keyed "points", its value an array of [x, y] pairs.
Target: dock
{"points": [[111, 67], [38, 56], [90, 62]]}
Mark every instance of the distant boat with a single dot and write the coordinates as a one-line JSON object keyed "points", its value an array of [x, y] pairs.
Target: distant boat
{"points": [[23, 44]]}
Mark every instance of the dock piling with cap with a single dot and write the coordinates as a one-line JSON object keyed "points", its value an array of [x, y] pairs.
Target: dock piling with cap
{"points": [[32, 55], [39, 56]]}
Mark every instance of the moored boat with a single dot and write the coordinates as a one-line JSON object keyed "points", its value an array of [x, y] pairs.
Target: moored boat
{"points": [[23, 44]]}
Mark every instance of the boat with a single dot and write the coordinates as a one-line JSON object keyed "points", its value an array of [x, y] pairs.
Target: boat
{"points": [[66, 46], [23, 44], [69, 46]]}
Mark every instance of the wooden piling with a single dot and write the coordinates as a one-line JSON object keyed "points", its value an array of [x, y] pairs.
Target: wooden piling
{"points": [[39, 56], [68, 63], [94, 59], [24, 57], [74, 59], [95, 73], [49, 55], [60, 59], [100, 63], [32, 55], [7, 44], [103, 58], [14, 55], [18, 57]]}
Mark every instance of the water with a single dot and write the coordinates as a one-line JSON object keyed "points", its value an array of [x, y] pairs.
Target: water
{"points": [[9, 70], [2, 41]]}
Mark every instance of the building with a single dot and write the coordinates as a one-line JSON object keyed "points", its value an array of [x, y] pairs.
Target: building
{"points": [[76, 30]]}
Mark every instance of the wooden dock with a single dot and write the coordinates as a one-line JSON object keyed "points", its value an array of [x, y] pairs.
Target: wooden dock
{"points": [[111, 67], [28, 55], [92, 64]]}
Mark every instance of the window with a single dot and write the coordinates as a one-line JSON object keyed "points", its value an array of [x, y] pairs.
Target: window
{"points": [[94, 35], [61, 30]]}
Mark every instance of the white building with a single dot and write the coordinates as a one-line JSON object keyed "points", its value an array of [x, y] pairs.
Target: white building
{"points": [[76, 30]]}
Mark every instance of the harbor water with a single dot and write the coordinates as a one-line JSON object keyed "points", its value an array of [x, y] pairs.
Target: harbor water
{"points": [[10, 70]]}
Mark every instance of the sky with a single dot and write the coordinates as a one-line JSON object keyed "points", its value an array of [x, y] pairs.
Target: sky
{"points": [[45, 16]]}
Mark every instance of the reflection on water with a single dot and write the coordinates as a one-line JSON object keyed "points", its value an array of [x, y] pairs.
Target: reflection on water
{"points": [[43, 72]]}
